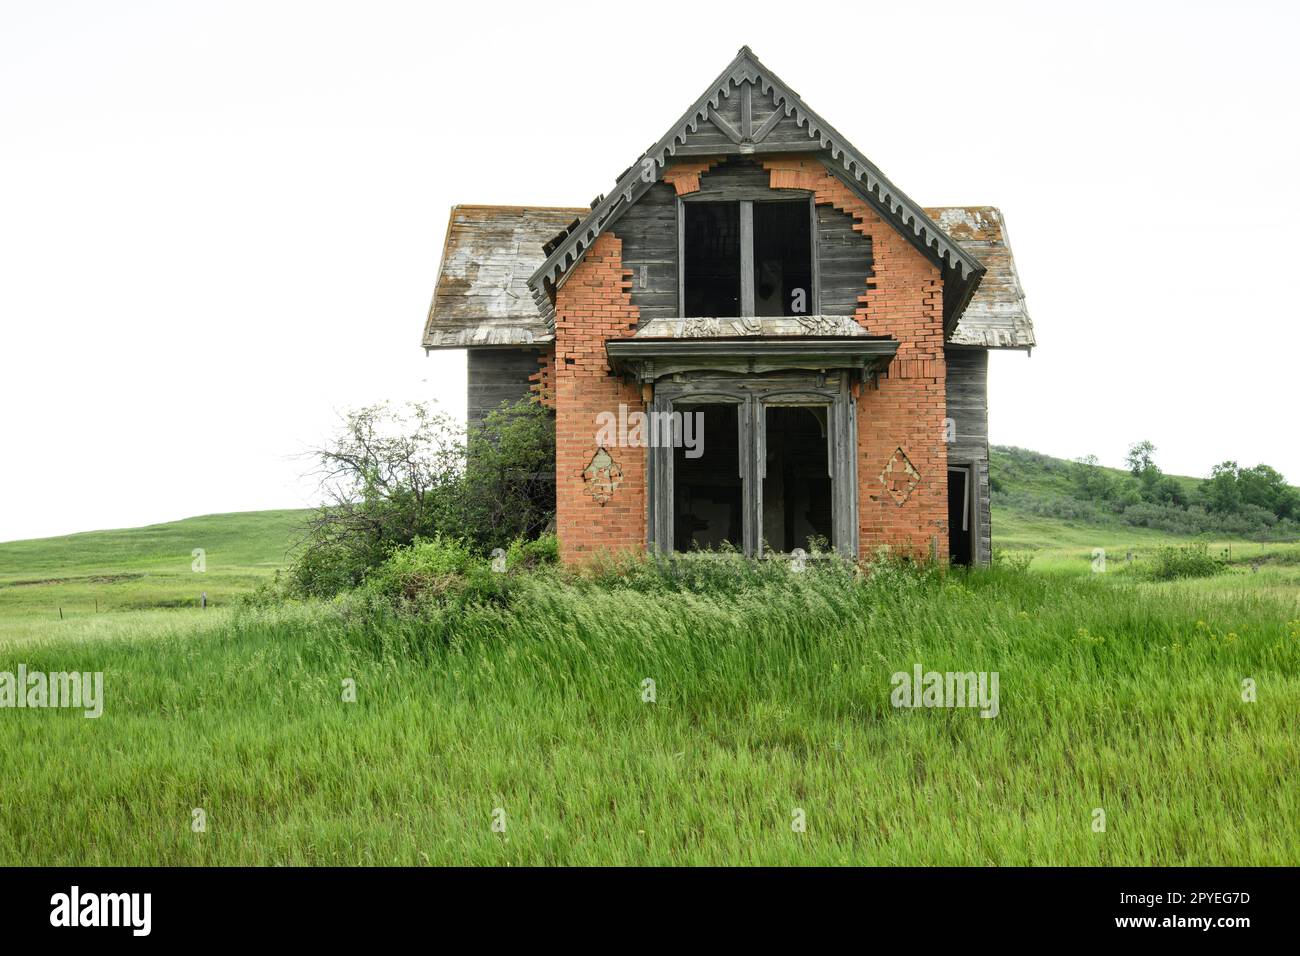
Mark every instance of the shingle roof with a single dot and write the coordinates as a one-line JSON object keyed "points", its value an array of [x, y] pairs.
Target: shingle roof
{"points": [[996, 316], [482, 295]]}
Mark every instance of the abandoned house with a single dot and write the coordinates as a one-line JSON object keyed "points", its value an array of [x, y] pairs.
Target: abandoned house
{"points": [[752, 279]]}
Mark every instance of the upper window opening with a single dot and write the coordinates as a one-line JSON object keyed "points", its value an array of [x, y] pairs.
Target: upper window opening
{"points": [[782, 258], [712, 251], [747, 258]]}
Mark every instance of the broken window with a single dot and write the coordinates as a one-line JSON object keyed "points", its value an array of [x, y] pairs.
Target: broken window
{"points": [[782, 258], [712, 258], [747, 258], [797, 505], [708, 491]]}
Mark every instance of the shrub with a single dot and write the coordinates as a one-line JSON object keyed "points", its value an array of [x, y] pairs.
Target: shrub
{"points": [[508, 488], [525, 555], [1016, 562], [428, 568], [1188, 561], [394, 476], [326, 566]]}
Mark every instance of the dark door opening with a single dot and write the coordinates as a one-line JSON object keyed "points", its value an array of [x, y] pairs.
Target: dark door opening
{"points": [[959, 516], [782, 258], [797, 510], [708, 492], [711, 260]]}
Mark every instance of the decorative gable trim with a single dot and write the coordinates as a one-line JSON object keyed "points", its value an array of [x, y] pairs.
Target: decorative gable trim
{"points": [[747, 74]]}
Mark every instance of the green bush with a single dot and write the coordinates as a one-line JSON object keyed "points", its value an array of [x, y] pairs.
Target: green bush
{"points": [[525, 555], [429, 568], [508, 487], [324, 567], [1189, 561], [395, 476]]}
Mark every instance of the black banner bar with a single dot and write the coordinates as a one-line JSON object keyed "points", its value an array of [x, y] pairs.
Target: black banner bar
{"points": [[335, 905]]}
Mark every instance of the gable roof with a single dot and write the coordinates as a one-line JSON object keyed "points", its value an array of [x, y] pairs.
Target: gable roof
{"points": [[744, 76], [482, 299]]}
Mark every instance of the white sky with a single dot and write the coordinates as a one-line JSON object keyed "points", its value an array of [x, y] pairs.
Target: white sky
{"points": [[220, 223]]}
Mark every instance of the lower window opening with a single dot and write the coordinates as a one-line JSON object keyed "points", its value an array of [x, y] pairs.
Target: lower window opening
{"points": [[707, 490], [797, 484]]}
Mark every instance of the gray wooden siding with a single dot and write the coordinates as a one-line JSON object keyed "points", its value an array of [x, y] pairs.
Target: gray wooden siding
{"points": [[495, 376], [968, 407], [843, 262], [736, 179], [788, 132], [649, 234]]}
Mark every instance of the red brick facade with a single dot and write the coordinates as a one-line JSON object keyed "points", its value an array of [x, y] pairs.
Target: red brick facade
{"points": [[591, 306], [903, 299], [902, 458]]}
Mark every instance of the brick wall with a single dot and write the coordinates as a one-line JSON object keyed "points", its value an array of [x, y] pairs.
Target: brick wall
{"points": [[542, 382], [902, 459], [902, 298], [593, 305]]}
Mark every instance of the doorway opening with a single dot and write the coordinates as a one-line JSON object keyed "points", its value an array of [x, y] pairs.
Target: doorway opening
{"points": [[797, 503], [959, 515], [708, 491]]}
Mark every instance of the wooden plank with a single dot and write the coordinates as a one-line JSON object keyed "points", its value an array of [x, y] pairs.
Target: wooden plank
{"points": [[967, 407], [746, 257], [497, 375]]}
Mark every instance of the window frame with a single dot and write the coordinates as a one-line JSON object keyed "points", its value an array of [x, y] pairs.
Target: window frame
{"points": [[755, 394], [746, 199]]}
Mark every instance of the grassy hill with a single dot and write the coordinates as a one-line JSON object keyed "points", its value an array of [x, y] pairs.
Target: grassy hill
{"points": [[50, 585], [1018, 471], [1070, 545]]}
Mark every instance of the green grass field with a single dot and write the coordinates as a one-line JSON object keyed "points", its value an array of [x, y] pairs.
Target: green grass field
{"points": [[1114, 694], [65, 587]]}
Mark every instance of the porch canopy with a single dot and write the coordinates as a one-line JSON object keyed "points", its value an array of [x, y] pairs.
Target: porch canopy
{"points": [[750, 346]]}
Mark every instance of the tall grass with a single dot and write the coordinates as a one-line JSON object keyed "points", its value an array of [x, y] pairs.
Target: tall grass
{"points": [[772, 693]]}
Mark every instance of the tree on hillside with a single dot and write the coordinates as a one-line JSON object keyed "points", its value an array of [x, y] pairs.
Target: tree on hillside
{"points": [[1140, 458], [1264, 487], [1155, 486], [1220, 490], [1230, 489], [1092, 482]]}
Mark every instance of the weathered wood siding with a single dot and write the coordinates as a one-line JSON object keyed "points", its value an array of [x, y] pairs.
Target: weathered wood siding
{"points": [[968, 407], [843, 262], [495, 376], [649, 233], [736, 178]]}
